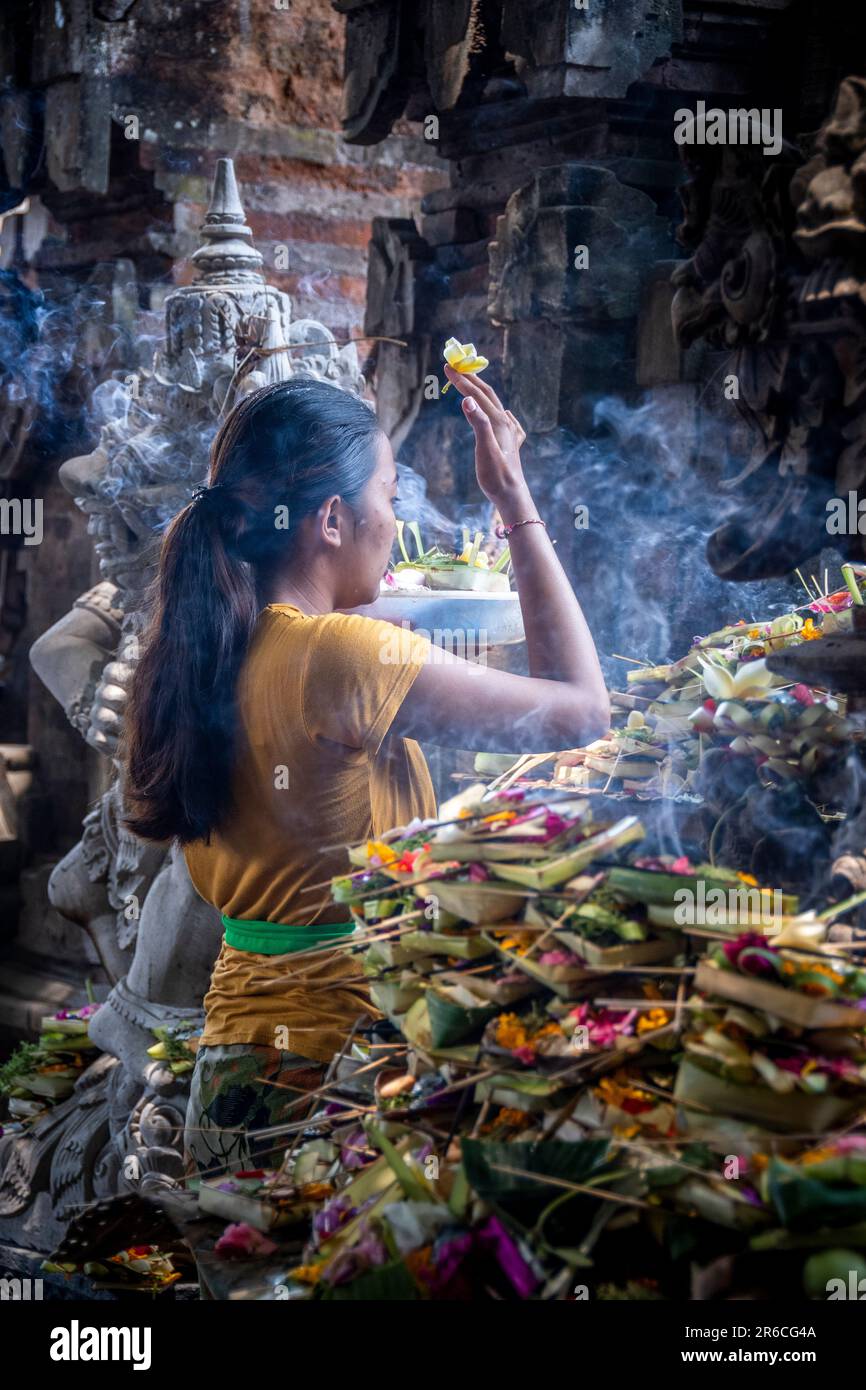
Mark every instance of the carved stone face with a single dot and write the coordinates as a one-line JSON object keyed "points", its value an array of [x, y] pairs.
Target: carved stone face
{"points": [[117, 546], [134, 482]]}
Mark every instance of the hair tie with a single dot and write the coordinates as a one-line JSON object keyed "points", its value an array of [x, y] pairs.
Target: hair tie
{"points": [[204, 491]]}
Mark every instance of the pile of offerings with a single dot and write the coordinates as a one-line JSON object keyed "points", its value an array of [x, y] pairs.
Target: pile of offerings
{"points": [[40, 1074], [176, 1046], [722, 694], [140, 1268], [593, 1060], [435, 568]]}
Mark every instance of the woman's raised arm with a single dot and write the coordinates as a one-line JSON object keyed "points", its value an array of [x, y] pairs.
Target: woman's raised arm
{"points": [[563, 702]]}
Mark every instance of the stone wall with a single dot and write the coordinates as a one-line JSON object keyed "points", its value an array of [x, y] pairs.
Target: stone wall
{"points": [[552, 247]]}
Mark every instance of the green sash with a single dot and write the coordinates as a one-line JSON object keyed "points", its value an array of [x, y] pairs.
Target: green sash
{"points": [[274, 939]]}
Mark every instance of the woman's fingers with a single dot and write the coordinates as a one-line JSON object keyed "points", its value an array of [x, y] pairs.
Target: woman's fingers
{"points": [[487, 390], [519, 430], [478, 418], [469, 385]]}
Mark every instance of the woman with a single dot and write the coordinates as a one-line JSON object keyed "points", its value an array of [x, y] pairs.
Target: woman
{"points": [[267, 729]]}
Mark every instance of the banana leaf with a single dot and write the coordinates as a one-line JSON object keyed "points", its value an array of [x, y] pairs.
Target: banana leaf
{"points": [[396, 994], [795, 1112], [712, 1202], [521, 1091], [846, 1237], [804, 1203], [499, 986], [487, 849], [639, 674], [391, 1283], [658, 888], [563, 980], [628, 953], [417, 1031], [387, 953], [592, 917], [414, 1185], [474, 902], [783, 1002], [54, 1085], [467, 577], [66, 1042], [553, 872], [433, 943], [526, 1199], [651, 886], [71, 1027], [451, 1022]]}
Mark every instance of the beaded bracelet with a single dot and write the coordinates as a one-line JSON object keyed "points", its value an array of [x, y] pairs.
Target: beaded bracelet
{"points": [[503, 532]]}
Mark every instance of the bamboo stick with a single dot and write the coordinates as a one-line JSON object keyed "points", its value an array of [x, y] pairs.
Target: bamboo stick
{"points": [[603, 1193]]}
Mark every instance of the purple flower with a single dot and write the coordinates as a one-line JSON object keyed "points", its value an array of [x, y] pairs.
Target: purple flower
{"points": [[332, 1216], [494, 1241], [354, 1152], [494, 1237], [367, 1253]]}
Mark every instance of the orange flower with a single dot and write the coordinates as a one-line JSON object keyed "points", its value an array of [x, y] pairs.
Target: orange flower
{"points": [[308, 1274], [617, 1091], [520, 942], [816, 1155], [317, 1191], [510, 1032], [507, 1117], [809, 631], [420, 1265]]}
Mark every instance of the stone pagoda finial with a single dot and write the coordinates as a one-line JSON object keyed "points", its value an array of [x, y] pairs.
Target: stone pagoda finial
{"points": [[227, 252]]}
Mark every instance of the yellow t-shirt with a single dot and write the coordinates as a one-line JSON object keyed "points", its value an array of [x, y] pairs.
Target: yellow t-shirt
{"points": [[315, 771]]}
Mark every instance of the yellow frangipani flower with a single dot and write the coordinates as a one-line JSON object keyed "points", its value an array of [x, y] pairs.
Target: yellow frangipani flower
{"points": [[463, 358]]}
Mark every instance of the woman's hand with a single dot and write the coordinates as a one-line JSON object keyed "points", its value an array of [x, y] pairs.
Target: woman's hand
{"points": [[498, 437]]}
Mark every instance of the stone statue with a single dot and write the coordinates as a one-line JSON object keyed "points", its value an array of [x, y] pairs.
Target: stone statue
{"points": [[226, 334]]}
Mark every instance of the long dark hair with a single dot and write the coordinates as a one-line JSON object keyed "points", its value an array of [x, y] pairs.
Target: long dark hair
{"points": [[276, 458]]}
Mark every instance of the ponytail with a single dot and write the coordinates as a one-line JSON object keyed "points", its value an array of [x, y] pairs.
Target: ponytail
{"points": [[290, 445]]}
